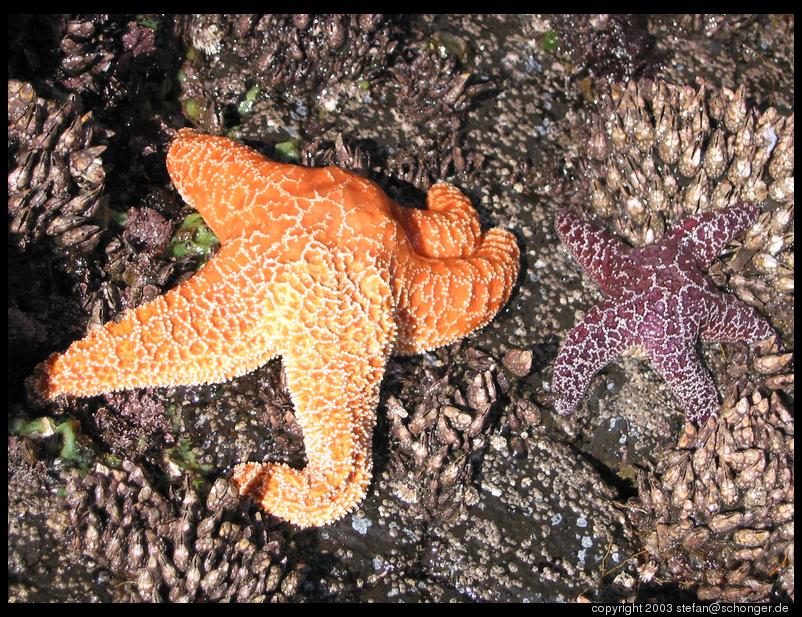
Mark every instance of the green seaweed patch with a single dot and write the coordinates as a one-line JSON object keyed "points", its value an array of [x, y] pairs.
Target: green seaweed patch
{"points": [[45, 426], [112, 460], [287, 151], [172, 414], [186, 459], [109, 217], [446, 45], [191, 109], [246, 105], [147, 22], [193, 238], [117, 218], [550, 41]]}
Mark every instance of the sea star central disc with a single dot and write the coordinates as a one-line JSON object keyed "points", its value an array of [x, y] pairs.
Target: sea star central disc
{"points": [[320, 267]]}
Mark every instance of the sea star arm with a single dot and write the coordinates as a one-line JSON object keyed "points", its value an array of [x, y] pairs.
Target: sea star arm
{"points": [[678, 363], [449, 227], [442, 300], [203, 331], [600, 254], [705, 235], [227, 182], [334, 356], [731, 320], [590, 345]]}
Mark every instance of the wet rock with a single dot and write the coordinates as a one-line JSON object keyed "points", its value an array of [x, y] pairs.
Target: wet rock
{"points": [[615, 47]]}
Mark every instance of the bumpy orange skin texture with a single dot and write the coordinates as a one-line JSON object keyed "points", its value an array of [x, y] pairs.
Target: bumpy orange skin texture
{"points": [[320, 267]]}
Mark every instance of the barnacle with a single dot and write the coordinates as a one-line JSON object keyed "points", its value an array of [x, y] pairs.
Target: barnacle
{"points": [[181, 546], [717, 512], [441, 423], [56, 178]]}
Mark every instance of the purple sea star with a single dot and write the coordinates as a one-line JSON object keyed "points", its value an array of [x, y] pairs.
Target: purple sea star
{"points": [[660, 298]]}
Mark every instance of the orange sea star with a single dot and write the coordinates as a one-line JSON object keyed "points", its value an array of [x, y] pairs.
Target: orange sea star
{"points": [[320, 267]]}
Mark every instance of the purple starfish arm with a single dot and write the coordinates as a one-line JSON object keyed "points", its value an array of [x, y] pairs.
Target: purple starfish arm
{"points": [[678, 363], [704, 235], [592, 344], [600, 254], [730, 320]]}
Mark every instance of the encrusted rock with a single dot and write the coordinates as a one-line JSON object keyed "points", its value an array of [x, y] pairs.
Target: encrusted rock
{"points": [[607, 46], [292, 55]]}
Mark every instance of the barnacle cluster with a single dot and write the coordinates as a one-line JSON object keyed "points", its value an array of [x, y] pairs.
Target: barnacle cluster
{"points": [[435, 82], [754, 50], [315, 78], [659, 151], [87, 49], [179, 547], [418, 166], [434, 86], [107, 55], [295, 51], [285, 56], [718, 512], [56, 181], [443, 428], [56, 175]]}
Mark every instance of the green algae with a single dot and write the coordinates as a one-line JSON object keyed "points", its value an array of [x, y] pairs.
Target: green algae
{"points": [[287, 151], [193, 237], [550, 41], [246, 105], [45, 426]]}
